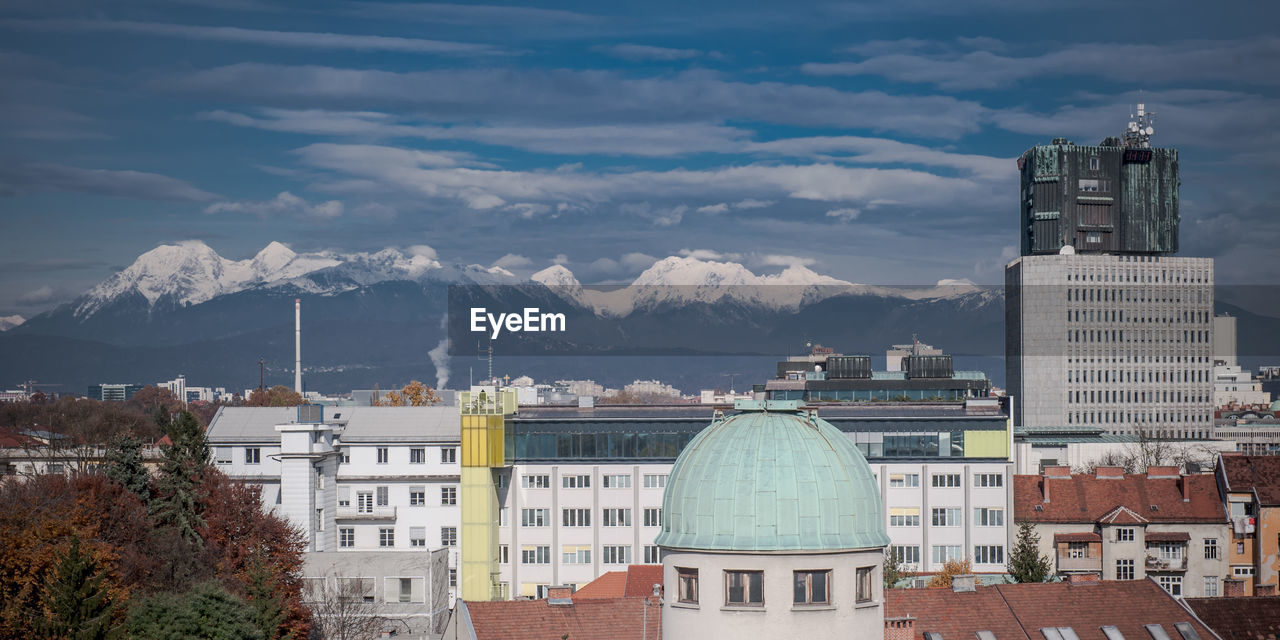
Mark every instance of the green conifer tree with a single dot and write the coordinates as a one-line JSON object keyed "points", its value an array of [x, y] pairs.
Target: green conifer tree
{"points": [[77, 602], [176, 504], [1026, 563], [124, 466]]}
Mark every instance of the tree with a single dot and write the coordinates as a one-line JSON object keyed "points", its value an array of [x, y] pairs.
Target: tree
{"points": [[1026, 563], [207, 611], [183, 462], [414, 394], [951, 569], [340, 612], [277, 396], [124, 466], [148, 399], [894, 571], [78, 603]]}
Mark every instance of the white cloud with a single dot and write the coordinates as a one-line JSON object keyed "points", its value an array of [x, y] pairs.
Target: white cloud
{"points": [[844, 214], [39, 295], [713, 208], [422, 250], [637, 261], [709, 254], [560, 259], [775, 260], [285, 204], [24, 178], [295, 39], [582, 98], [751, 203], [512, 261], [604, 266], [375, 210], [1214, 60], [528, 209], [642, 53]]}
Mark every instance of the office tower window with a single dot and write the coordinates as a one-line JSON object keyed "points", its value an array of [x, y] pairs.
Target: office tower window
{"points": [[541, 481]]}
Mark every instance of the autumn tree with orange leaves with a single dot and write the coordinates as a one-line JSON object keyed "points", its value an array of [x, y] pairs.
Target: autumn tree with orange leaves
{"points": [[414, 394]]}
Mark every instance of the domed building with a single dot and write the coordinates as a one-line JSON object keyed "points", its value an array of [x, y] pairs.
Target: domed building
{"points": [[772, 528]]}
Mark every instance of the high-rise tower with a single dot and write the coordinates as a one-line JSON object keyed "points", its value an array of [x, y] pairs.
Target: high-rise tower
{"points": [[1104, 326]]}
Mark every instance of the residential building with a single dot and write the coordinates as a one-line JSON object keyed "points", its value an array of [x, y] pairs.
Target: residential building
{"points": [[796, 542], [353, 479], [107, 392], [1160, 524], [562, 615], [1251, 487], [1103, 325], [407, 592], [1232, 386], [825, 376], [1130, 610], [1256, 431]]}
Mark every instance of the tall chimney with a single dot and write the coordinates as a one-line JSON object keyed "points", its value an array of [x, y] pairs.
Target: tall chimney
{"points": [[297, 345]]}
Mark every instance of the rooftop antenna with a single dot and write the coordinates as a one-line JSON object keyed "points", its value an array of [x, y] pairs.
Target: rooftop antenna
{"points": [[489, 352], [1141, 127], [261, 372], [297, 345]]}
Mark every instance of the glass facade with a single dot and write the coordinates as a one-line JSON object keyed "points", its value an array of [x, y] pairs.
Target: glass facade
{"points": [[603, 440], [872, 395]]}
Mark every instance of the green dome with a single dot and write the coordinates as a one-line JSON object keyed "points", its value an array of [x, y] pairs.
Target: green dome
{"points": [[1275, 406], [771, 478]]}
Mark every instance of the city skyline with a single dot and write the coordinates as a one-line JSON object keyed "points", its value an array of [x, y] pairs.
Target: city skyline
{"points": [[713, 131]]}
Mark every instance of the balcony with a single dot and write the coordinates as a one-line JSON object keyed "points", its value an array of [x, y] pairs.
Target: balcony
{"points": [[1070, 564], [367, 513], [1156, 563]]}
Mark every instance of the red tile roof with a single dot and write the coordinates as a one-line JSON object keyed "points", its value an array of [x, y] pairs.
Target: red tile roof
{"points": [[637, 581], [1020, 611], [618, 618], [1077, 537], [1084, 498], [1248, 618], [1246, 474], [1168, 536]]}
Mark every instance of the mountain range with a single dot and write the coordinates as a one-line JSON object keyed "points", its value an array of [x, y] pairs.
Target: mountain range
{"points": [[380, 319]]}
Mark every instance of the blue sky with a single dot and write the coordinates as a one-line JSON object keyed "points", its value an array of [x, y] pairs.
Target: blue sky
{"points": [[873, 141]]}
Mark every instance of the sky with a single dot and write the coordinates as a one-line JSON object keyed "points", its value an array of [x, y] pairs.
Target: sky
{"points": [[871, 141]]}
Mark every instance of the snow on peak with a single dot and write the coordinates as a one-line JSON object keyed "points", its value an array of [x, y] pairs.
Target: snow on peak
{"points": [[9, 322], [675, 270], [556, 275]]}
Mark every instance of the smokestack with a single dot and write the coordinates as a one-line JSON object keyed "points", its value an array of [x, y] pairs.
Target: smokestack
{"points": [[297, 345]]}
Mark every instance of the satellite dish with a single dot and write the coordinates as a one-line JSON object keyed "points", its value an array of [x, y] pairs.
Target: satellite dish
{"points": [[1150, 130], [1067, 250]]}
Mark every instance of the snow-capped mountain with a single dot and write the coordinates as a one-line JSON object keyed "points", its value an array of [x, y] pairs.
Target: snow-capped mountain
{"points": [[9, 322], [556, 275]]}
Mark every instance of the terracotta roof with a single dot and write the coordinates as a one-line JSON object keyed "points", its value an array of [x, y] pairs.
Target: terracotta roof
{"points": [[1168, 536], [1247, 474], [1084, 498], [620, 618], [609, 585], [1020, 611], [1077, 537], [1247, 618], [1123, 515], [12, 440], [637, 581]]}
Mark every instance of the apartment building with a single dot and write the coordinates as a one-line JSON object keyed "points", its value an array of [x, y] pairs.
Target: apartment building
{"points": [[1251, 488], [1160, 524], [357, 479]]}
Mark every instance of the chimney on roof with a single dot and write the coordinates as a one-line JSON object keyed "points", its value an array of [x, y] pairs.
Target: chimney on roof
{"points": [[903, 628], [1264, 590], [1044, 489], [964, 583], [1109, 473], [1183, 488], [1077, 578], [1233, 587], [560, 595], [1057, 472], [1163, 473]]}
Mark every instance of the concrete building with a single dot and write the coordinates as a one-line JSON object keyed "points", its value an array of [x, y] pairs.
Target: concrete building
{"points": [[1117, 341], [1103, 325], [1255, 432], [773, 529], [1116, 526], [1251, 487], [403, 595], [1082, 448], [894, 355], [353, 479]]}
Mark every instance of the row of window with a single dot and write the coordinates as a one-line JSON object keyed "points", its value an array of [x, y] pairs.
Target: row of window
{"points": [[583, 481], [387, 537], [417, 455], [581, 517], [745, 588], [1089, 314], [946, 517], [577, 554], [982, 554], [381, 497], [1116, 336], [897, 480]]}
